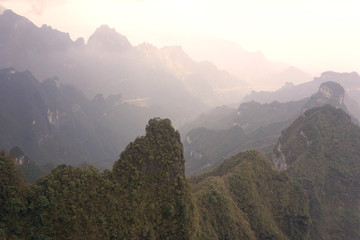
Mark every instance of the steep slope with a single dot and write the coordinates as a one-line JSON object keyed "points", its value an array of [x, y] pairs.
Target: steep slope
{"points": [[252, 125], [321, 151], [146, 196], [108, 40], [203, 79], [58, 124], [107, 64], [27, 47], [244, 198], [329, 92], [166, 78], [151, 172]]}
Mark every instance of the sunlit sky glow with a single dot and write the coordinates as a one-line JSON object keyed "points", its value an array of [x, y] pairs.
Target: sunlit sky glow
{"points": [[314, 36]]}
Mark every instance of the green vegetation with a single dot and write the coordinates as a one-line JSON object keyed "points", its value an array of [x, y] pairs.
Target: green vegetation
{"points": [[146, 195], [158, 203], [29, 168], [224, 134], [321, 150], [244, 198], [252, 126], [57, 124], [12, 198]]}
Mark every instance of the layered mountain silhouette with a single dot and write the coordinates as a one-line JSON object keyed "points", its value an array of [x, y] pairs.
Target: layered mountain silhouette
{"points": [[308, 188], [291, 92], [109, 64], [146, 196], [252, 125], [258, 71], [56, 123], [203, 79], [313, 195]]}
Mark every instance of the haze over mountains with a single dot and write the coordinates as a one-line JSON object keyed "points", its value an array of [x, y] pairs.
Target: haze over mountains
{"points": [[280, 165], [253, 67], [75, 63], [109, 64], [223, 132], [56, 123]]}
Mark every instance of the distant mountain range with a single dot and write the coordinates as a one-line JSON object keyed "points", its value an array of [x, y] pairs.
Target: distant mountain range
{"points": [[253, 67], [55, 123], [301, 182], [291, 92], [224, 132], [109, 64]]}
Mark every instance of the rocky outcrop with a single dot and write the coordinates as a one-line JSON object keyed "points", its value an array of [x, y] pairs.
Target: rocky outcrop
{"points": [[329, 93], [278, 159]]}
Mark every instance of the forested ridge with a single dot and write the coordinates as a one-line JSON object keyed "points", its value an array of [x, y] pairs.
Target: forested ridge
{"points": [[321, 151], [147, 196]]}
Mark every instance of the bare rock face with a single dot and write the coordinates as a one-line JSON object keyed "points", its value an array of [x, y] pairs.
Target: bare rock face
{"points": [[329, 93], [332, 90], [278, 159]]}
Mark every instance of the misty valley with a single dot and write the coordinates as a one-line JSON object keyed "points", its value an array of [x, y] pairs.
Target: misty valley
{"points": [[105, 140]]}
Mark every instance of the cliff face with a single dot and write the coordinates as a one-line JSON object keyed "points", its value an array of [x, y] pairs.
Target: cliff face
{"points": [[329, 93], [321, 151]]}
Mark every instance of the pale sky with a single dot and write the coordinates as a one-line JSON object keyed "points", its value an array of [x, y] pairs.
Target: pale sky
{"points": [[314, 36]]}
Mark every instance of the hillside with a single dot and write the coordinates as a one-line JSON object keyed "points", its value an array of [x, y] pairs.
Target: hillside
{"points": [[320, 150], [313, 195], [251, 126], [108, 63], [145, 196], [244, 198], [56, 123]]}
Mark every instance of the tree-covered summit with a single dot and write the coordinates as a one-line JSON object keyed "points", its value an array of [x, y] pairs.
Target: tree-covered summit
{"points": [[321, 151]]}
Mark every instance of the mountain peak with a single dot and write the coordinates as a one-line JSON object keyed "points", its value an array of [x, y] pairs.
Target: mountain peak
{"points": [[20, 35], [329, 93], [10, 18], [332, 90], [107, 38]]}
